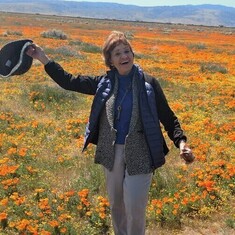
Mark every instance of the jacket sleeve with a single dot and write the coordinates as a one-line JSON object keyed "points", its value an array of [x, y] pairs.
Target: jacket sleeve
{"points": [[166, 116], [82, 84]]}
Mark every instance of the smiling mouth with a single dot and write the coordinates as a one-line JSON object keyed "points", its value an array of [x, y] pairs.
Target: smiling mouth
{"points": [[125, 63]]}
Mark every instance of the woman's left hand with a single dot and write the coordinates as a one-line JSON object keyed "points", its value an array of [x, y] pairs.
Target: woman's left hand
{"points": [[186, 153]]}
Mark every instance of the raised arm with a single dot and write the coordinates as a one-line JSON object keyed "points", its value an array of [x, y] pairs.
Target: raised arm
{"points": [[82, 84]]}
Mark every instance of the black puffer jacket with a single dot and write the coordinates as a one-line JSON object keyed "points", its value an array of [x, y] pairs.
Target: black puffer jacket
{"points": [[153, 108]]}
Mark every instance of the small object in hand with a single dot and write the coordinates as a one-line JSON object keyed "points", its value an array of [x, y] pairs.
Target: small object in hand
{"points": [[187, 155]]}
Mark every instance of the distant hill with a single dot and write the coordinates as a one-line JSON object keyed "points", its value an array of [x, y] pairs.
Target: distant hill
{"points": [[209, 15]]}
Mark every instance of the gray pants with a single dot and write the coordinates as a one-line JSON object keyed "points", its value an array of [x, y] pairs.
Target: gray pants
{"points": [[128, 196]]}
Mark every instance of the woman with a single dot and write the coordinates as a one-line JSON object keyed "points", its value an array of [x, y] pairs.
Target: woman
{"points": [[124, 122]]}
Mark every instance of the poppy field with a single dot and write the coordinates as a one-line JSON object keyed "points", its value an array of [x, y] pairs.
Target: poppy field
{"points": [[49, 187]]}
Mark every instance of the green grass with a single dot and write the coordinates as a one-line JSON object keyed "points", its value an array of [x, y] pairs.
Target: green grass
{"points": [[86, 47], [213, 68]]}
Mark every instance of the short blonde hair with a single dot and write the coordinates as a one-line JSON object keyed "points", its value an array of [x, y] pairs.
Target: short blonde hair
{"points": [[114, 39]]}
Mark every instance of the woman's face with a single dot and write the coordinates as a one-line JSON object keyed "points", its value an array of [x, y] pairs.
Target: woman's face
{"points": [[122, 58]]}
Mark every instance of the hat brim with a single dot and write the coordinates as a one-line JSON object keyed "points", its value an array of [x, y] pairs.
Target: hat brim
{"points": [[13, 59]]}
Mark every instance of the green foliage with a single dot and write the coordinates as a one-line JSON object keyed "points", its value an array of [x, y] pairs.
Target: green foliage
{"points": [[197, 46], [63, 52], [129, 35], [10, 32], [231, 223], [232, 52], [86, 47], [43, 96], [67, 51], [54, 33], [213, 68], [91, 178]]}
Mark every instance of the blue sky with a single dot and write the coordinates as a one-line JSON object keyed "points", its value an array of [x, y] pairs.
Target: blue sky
{"points": [[230, 3]]}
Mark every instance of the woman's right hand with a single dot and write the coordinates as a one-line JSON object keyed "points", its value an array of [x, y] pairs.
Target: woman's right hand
{"points": [[36, 52]]}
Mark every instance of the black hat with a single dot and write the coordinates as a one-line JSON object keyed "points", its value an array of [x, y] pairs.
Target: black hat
{"points": [[13, 59]]}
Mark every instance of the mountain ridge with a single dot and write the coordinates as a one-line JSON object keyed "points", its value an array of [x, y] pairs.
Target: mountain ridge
{"points": [[206, 14]]}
